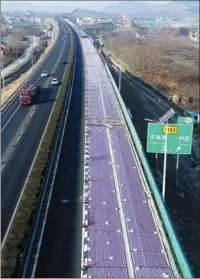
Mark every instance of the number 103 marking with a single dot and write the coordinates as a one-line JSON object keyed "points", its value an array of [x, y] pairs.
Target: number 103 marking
{"points": [[170, 130]]}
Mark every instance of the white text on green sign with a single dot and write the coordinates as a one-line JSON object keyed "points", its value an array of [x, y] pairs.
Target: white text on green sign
{"points": [[179, 141]]}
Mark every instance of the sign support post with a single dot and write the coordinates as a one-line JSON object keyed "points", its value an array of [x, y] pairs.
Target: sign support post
{"points": [[156, 162], [165, 164], [177, 166], [177, 139]]}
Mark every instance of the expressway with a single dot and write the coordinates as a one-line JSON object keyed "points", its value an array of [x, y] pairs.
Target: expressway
{"points": [[62, 226], [23, 127], [100, 216]]}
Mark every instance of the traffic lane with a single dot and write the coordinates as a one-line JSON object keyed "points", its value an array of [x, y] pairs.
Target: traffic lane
{"points": [[16, 170], [12, 106], [10, 130], [60, 254], [182, 200], [8, 111]]}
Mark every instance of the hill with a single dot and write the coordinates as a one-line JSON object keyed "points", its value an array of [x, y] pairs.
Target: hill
{"points": [[84, 12], [138, 9]]}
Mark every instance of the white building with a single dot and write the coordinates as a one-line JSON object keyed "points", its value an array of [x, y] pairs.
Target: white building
{"points": [[123, 23], [87, 20]]}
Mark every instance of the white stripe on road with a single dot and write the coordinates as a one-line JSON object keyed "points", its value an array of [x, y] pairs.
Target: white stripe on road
{"points": [[28, 82], [10, 118], [24, 186]]}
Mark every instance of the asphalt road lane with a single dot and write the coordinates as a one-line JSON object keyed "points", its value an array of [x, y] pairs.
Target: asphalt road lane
{"points": [[60, 254], [11, 128], [16, 169], [15, 114], [11, 107]]}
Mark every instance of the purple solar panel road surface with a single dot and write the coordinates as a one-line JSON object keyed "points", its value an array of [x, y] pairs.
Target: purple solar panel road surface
{"points": [[111, 164]]}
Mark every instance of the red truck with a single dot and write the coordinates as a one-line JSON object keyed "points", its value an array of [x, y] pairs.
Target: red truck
{"points": [[28, 95]]}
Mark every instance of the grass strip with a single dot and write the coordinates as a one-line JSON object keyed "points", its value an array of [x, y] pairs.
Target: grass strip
{"points": [[13, 249]]}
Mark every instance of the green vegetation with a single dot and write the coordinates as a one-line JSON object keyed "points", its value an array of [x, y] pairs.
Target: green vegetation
{"points": [[12, 252]]}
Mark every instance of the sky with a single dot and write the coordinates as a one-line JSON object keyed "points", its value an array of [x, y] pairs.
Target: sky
{"points": [[59, 5]]}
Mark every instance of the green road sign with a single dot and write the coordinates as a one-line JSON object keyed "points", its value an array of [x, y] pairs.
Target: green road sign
{"points": [[179, 138], [185, 120]]}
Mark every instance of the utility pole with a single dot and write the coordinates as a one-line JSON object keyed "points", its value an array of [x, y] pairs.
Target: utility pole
{"points": [[120, 72], [100, 41], [32, 55], [2, 65], [16, 55], [165, 163], [120, 76]]}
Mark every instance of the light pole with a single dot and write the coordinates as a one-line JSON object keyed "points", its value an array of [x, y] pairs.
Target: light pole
{"points": [[165, 163], [120, 72], [100, 41], [16, 54], [2, 66], [108, 55], [32, 54]]}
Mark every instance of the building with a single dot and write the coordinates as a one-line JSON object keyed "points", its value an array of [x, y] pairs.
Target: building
{"points": [[194, 34], [143, 32], [87, 20], [108, 25], [123, 23]]}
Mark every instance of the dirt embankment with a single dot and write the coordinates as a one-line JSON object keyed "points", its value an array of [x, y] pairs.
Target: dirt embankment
{"points": [[12, 87], [171, 64]]}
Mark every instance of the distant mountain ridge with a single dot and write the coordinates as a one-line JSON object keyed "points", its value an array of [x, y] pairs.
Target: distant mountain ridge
{"points": [[84, 12], [175, 9]]}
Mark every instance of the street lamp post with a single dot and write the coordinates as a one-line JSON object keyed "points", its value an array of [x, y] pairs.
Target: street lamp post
{"points": [[100, 41], [32, 55], [120, 72], [2, 66], [16, 54], [165, 163], [108, 55]]}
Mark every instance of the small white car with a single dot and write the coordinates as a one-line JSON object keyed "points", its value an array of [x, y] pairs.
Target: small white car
{"points": [[54, 81], [44, 74]]}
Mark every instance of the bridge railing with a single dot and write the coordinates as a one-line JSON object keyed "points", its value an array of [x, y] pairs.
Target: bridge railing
{"points": [[174, 243]]}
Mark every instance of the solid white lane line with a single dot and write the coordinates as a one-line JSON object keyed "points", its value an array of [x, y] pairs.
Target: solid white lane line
{"points": [[46, 212], [24, 186], [10, 118], [50, 59]]}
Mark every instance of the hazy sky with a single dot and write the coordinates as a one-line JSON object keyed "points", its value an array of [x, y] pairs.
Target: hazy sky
{"points": [[59, 5]]}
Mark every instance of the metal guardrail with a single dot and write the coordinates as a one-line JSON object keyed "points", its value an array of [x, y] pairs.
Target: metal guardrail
{"points": [[179, 256]]}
